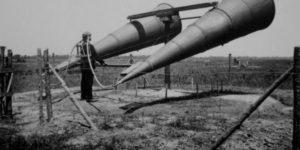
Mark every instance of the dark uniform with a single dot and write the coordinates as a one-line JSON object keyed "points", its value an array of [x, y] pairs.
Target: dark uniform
{"points": [[87, 76]]}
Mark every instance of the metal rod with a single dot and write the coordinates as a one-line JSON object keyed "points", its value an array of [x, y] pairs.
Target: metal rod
{"points": [[187, 18], [252, 108], [73, 99], [176, 9]]}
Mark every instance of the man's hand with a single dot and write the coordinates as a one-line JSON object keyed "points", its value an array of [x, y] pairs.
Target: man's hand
{"points": [[101, 62]]}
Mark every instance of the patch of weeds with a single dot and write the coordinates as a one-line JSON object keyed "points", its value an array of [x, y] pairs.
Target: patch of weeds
{"points": [[284, 98], [128, 141], [36, 142], [167, 132], [189, 123]]}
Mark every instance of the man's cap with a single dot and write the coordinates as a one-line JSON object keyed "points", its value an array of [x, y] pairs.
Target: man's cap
{"points": [[86, 34]]}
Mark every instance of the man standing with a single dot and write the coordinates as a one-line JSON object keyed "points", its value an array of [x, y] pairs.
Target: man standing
{"points": [[87, 76]]}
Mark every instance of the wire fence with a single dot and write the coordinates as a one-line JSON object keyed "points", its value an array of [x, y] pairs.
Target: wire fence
{"points": [[204, 81], [184, 75], [156, 79]]}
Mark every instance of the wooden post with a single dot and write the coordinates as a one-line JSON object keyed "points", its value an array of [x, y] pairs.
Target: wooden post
{"points": [[115, 81], [168, 76], [218, 88], [222, 89], [8, 99], [166, 92], [53, 58], [2, 77], [145, 83], [74, 100], [229, 66], [252, 108], [197, 89], [9, 59], [296, 86], [136, 89], [192, 83], [39, 60], [211, 85], [2, 57], [47, 85], [229, 62]]}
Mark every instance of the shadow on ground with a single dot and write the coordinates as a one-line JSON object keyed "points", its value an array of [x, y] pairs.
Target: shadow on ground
{"points": [[130, 108]]}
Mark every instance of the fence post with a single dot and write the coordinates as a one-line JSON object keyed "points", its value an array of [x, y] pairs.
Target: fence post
{"points": [[8, 105], [2, 77], [168, 76], [145, 83], [53, 58], [218, 92], [115, 87], [39, 60], [47, 85], [229, 62], [9, 59], [211, 85], [229, 66], [296, 86], [136, 89], [2, 55], [197, 89], [222, 89], [166, 91], [192, 83]]}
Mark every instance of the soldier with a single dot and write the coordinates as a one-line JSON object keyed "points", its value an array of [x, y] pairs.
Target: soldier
{"points": [[87, 76]]}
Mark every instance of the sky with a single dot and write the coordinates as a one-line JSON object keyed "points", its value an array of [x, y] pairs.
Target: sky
{"points": [[26, 25]]}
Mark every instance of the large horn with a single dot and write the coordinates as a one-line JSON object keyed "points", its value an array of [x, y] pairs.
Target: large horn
{"points": [[231, 19], [136, 35]]}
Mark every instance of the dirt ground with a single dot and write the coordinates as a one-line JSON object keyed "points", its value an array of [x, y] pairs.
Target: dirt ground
{"points": [[180, 124]]}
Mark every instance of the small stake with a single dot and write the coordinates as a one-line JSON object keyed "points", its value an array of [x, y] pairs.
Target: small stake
{"points": [[145, 83], [192, 83], [136, 89], [197, 89], [166, 91]]}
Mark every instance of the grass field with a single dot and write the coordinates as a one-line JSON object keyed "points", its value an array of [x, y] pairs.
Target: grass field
{"points": [[146, 120]]}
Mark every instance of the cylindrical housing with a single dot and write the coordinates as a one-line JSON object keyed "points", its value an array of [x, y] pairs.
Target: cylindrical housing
{"points": [[231, 19], [138, 34], [135, 35]]}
